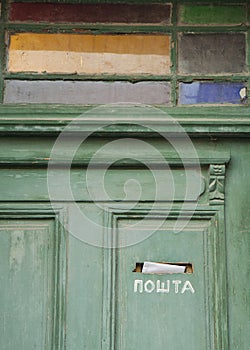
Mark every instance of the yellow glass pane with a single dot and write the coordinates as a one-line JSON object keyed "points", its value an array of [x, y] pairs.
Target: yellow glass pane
{"points": [[90, 54]]}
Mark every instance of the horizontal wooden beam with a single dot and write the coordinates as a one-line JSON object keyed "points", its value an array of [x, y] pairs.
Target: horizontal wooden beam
{"points": [[143, 120]]}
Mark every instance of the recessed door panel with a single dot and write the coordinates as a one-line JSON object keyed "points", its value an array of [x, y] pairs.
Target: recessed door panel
{"points": [[27, 274], [156, 310]]}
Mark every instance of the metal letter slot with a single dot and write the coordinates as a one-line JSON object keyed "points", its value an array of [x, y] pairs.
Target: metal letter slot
{"points": [[149, 267]]}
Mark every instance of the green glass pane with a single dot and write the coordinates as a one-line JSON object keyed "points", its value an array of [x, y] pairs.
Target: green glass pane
{"points": [[212, 14]]}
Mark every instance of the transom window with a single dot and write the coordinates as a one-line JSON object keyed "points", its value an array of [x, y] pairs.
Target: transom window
{"points": [[89, 53]]}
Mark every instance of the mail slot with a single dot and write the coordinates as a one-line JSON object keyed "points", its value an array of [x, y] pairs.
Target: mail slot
{"points": [[150, 267]]}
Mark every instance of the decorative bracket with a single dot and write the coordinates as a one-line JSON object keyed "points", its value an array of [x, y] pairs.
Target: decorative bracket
{"points": [[217, 183]]}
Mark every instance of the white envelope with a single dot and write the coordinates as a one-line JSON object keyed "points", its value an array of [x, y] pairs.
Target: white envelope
{"points": [[161, 268]]}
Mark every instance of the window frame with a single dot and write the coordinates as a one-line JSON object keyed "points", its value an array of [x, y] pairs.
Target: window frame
{"points": [[173, 29]]}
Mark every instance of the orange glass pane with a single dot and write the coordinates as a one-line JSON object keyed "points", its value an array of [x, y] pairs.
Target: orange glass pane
{"points": [[90, 54]]}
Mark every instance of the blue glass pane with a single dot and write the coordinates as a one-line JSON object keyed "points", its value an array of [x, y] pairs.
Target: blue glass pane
{"points": [[209, 92]]}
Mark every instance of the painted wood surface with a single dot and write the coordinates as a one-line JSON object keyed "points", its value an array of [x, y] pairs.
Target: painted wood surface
{"points": [[51, 120], [85, 287], [87, 92], [143, 312], [89, 54], [91, 13], [85, 262], [28, 267], [86, 189]]}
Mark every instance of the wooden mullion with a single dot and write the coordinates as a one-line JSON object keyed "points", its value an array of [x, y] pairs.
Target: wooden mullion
{"points": [[4, 15], [87, 28], [174, 57], [113, 28], [139, 1], [97, 1], [206, 29], [248, 55], [217, 78], [2, 61], [82, 77]]}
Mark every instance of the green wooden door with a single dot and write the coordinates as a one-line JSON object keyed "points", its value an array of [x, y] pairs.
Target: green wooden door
{"points": [[67, 267]]}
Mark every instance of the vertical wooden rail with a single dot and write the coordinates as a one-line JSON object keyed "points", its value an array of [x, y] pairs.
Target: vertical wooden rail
{"points": [[4, 14], [174, 83]]}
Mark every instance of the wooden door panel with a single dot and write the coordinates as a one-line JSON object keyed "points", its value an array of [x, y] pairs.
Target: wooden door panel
{"points": [[32, 278], [159, 310], [27, 287]]}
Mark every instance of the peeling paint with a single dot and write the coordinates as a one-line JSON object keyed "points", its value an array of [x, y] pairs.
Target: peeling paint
{"points": [[17, 250]]}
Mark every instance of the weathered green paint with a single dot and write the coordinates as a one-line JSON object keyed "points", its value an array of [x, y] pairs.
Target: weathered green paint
{"points": [[85, 288], [32, 288], [19, 181], [138, 1], [104, 29], [238, 240], [212, 14], [248, 52], [84, 261], [143, 308], [37, 120], [136, 78], [116, 314]]}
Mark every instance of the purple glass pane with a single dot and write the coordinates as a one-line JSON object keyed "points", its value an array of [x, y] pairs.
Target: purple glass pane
{"points": [[204, 92]]}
